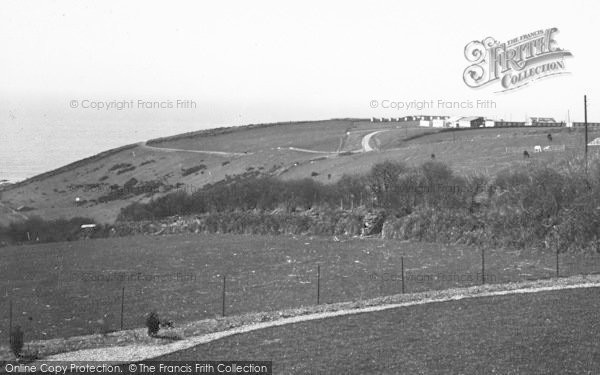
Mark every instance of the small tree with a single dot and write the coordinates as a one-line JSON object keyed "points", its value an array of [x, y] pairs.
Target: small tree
{"points": [[153, 323], [16, 341]]}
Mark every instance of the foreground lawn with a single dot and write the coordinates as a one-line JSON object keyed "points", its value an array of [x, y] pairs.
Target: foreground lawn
{"points": [[541, 333], [68, 289]]}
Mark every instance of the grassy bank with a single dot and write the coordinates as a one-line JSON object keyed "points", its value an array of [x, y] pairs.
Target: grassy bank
{"points": [[550, 332], [74, 288]]}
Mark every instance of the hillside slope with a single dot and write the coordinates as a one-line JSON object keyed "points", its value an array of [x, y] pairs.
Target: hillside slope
{"points": [[99, 186]]}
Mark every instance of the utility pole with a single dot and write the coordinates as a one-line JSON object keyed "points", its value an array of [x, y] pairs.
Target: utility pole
{"points": [[223, 297], [586, 131], [318, 284]]}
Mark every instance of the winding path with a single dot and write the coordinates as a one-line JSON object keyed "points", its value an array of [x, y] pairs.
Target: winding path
{"points": [[367, 139], [135, 353], [365, 146]]}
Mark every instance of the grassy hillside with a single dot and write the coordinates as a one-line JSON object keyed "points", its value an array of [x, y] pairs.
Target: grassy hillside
{"points": [[543, 333], [323, 150]]}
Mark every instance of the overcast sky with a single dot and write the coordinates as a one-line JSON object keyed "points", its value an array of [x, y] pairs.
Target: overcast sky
{"points": [[263, 61]]}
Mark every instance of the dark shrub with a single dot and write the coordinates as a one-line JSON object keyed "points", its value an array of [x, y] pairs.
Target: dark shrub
{"points": [[48, 230], [189, 171], [129, 169], [119, 166], [130, 184], [153, 324]]}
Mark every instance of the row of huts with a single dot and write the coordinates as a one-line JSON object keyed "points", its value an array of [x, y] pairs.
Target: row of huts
{"points": [[476, 122]]}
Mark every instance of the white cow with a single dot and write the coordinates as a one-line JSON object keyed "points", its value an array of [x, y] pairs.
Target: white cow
{"points": [[537, 149]]}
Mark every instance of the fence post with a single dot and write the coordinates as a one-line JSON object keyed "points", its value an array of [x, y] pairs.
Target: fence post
{"points": [[482, 266], [224, 286], [557, 269], [122, 305], [10, 311], [318, 284], [402, 273]]}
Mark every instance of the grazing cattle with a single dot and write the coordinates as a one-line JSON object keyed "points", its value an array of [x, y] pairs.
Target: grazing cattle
{"points": [[537, 149], [550, 137], [525, 154]]}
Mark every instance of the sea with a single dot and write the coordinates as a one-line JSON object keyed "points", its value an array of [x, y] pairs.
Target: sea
{"points": [[28, 149]]}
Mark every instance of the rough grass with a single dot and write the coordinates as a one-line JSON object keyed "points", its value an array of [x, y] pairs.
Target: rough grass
{"points": [[317, 135], [549, 332], [134, 345], [66, 288], [466, 151]]}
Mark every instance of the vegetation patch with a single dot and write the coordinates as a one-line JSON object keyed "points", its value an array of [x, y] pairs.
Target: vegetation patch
{"points": [[146, 162], [125, 170], [120, 166], [194, 169], [132, 188], [38, 230], [533, 205]]}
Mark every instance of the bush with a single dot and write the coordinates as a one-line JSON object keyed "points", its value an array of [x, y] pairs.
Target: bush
{"points": [[153, 324], [189, 171], [120, 166], [538, 205], [50, 230], [128, 186], [125, 170], [16, 341]]}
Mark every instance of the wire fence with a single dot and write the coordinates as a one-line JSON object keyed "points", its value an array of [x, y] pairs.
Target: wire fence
{"points": [[86, 303]]}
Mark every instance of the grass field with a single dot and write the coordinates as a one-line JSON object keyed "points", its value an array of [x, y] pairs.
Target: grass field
{"points": [[542, 333], [62, 289], [318, 135]]}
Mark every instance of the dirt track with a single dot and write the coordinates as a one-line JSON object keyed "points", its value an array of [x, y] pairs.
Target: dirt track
{"points": [[163, 149]]}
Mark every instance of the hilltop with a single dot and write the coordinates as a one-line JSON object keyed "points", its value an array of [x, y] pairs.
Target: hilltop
{"points": [[99, 186]]}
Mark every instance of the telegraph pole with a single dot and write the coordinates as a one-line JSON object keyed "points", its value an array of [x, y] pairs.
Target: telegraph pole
{"points": [[586, 131]]}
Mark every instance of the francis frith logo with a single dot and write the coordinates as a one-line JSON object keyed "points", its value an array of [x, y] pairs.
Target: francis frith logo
{"points": [[515, 63]]}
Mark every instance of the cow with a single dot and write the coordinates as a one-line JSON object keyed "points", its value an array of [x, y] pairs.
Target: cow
{"points": [[537, 149], [525, 154]]}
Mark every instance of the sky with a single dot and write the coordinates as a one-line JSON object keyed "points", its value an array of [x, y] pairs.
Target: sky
{"points": [[241, 62]]}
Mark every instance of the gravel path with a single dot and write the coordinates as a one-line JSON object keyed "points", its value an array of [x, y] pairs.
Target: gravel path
{"points": [[367, 139], [133, 353]]}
